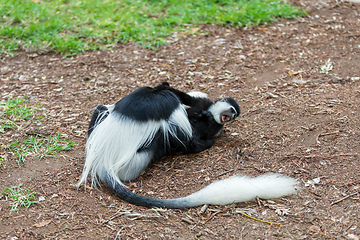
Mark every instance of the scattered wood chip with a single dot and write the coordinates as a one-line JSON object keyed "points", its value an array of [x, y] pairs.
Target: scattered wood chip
{"points": [[42, 224]]}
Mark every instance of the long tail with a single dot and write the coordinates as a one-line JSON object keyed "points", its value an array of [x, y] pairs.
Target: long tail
{"points": [[222, 192]]}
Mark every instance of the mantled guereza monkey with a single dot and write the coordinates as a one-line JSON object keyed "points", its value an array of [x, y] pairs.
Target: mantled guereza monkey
{"points": [[150, 123]]}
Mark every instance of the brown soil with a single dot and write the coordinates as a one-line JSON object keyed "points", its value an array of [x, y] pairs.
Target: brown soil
{"points": [[296, 119]]}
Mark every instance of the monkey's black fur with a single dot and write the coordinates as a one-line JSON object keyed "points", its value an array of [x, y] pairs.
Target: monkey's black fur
{"points": [[150, 123], [145, 104]]}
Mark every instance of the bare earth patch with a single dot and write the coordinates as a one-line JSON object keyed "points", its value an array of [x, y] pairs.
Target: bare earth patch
{"points": [[298, 84]]}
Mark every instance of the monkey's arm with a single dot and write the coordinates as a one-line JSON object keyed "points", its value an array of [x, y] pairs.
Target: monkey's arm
{"points": [[205, 131]]}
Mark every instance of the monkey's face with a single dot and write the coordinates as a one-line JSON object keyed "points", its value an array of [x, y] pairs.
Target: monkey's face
{"points": [[225, 110], [228, 115]]}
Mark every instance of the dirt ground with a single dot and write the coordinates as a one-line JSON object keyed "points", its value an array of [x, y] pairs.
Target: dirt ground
{"points": [[298, 85]]}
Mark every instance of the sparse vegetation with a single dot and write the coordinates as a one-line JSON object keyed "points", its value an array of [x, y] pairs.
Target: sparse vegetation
{"points": [[40, 146], [17, 110], [19, 196], [14, 110]]}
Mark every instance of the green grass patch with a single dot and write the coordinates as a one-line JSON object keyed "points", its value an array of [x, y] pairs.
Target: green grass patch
{"points": [[39, 146], [19, 197], [72, 26], [15, 110]]}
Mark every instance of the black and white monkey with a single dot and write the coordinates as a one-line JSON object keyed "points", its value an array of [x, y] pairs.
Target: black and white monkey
{"points": [[150, 123]]}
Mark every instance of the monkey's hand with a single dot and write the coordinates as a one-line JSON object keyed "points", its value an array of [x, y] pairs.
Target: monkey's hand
{"points": [[199, 145], [184, 98], [162, 86], [205, 114]]}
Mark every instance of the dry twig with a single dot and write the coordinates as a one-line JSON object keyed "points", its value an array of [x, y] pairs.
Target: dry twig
{"points": [[341, 199], [256, 219]]}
